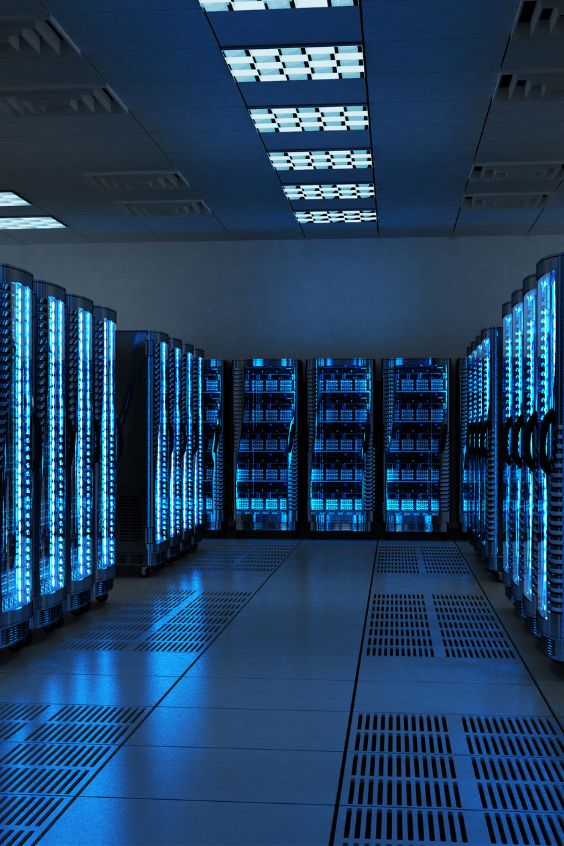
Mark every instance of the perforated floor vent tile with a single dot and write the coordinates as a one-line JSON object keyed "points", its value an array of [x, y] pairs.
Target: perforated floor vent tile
{"points": [[525, 829], [469, 629], [247, 557], [402, 733], [397, 558], [396, 827], [524, 737], [15, 836], [398, 626], [194, 627], [443, 560], [433, 559]]}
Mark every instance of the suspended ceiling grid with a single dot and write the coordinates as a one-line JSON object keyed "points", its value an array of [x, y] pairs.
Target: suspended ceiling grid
{"points": [[465, 102]]}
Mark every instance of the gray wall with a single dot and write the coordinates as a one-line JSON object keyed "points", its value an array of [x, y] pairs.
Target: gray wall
{"points": [[425, 296]]}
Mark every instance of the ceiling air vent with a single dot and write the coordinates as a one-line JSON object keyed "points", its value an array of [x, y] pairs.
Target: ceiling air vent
{"points": [[161, 208], [505, 201], [512, 173], [540, 19], [135, 180], [41, 37], [534, 86], [60, 102]]}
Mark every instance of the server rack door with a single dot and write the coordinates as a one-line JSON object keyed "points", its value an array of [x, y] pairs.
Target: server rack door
{"points": [[16, 346], [265, 444], [464, 456], [472, 418], [549, 620], [175, 446], [524, 587], [80, 431], [198, 442], [516, 445], [341, 451], [160, 437], [490, 447], [188, 508], [213, 444], [50, 507], [505, 447], [106, 449], [416, 448]]}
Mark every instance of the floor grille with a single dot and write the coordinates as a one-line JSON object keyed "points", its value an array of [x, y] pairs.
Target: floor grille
{"points": [[432, 559], [443, 560], [394, 826], [397, 558], [469, 629], [247, 557], [398, 626]]}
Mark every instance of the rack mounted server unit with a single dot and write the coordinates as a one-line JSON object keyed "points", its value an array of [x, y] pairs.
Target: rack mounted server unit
{"points": [[187, 425], [416, 444], [174, 399], [265, 444], [198, 440], [105, 454], [213, 430], [143, 515], [80, 455], [341, 447], [49, 453], [16, 345]]}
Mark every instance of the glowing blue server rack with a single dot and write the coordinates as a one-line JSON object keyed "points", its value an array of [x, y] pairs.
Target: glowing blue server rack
{"points": [[464, 468], [341, 446], [471, 443], [549, 574], [265, 444], [16, 345], [213, 443], [198, 441], [143, 515], [105, 454], [416, 444], [512, 577], [49, 451], [505, 446], [176, 446], [187, 425], [80, 455]]}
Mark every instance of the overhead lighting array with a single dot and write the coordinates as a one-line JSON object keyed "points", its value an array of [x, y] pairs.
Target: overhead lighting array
{"points": [[272, 5], [342, 191], [321, 159], [310, 118], [11, 200], [336, 216], [284, 64]]}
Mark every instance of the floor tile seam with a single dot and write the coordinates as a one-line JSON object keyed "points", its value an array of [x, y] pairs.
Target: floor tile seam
{"points": [[121, 798], [152, 707], [337, 750], [259, 709]]}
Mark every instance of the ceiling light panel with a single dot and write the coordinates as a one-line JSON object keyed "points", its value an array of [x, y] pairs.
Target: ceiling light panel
{"points": [[30, 223], [321, 159], [283, 64], [344, 191], [8, 198], [336, 216], [310, 118], [261, 5]]}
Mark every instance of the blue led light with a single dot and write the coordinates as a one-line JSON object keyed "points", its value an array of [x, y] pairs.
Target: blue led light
{"points": [[175, 481], [516, 472], [529, 406], [83, 479], [107, 471], [187, 459], [161, 488]]}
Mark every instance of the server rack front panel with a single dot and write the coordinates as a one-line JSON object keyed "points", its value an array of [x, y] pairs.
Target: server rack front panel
{"points": [[16, 345], [265, 444], [341, 446], [416, 444], [464, 445], [106, 449], [175, 460], [512, 589], [188, 452], [80, 457], [523, 595], [50, 483], [213, 431], [505, 446], [198, 441]]}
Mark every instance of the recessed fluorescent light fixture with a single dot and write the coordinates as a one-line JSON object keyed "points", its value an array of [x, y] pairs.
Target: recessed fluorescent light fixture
{"points": [[321, 159], [344, 191], [282, 64], [336, 216], [30, 223], [261, 5], [8, 198], [310, 118]]}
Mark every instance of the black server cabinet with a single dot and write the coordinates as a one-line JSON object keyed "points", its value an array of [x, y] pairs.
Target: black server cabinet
{"points": [[187, 425], [49, 456], [416, 444], [80, 452], [213, 426], [512, 575], [143, 431], [265, 422], [16, 346], [198, 441], [174, 385], [464, 455], [341, 445], [105, 454]]}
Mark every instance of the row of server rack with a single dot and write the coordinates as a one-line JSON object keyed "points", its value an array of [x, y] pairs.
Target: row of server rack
{"points": [[342, 438], [511, 469], [57, 454]]}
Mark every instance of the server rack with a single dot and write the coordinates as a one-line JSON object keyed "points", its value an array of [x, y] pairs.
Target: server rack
{"points": [[513, 576], [464, 444], [187, 423], [80, 455], [416, 444], [174, 384], [505, 447], [198, 441], [341, 446], [49, 456], [105, 455], [265, 393], [213, 427], [143, 487], [549, 576], [16, 346], [473, 417]]}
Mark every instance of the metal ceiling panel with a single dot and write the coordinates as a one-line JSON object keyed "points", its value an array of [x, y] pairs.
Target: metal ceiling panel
{"points": [[288, 26]]}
